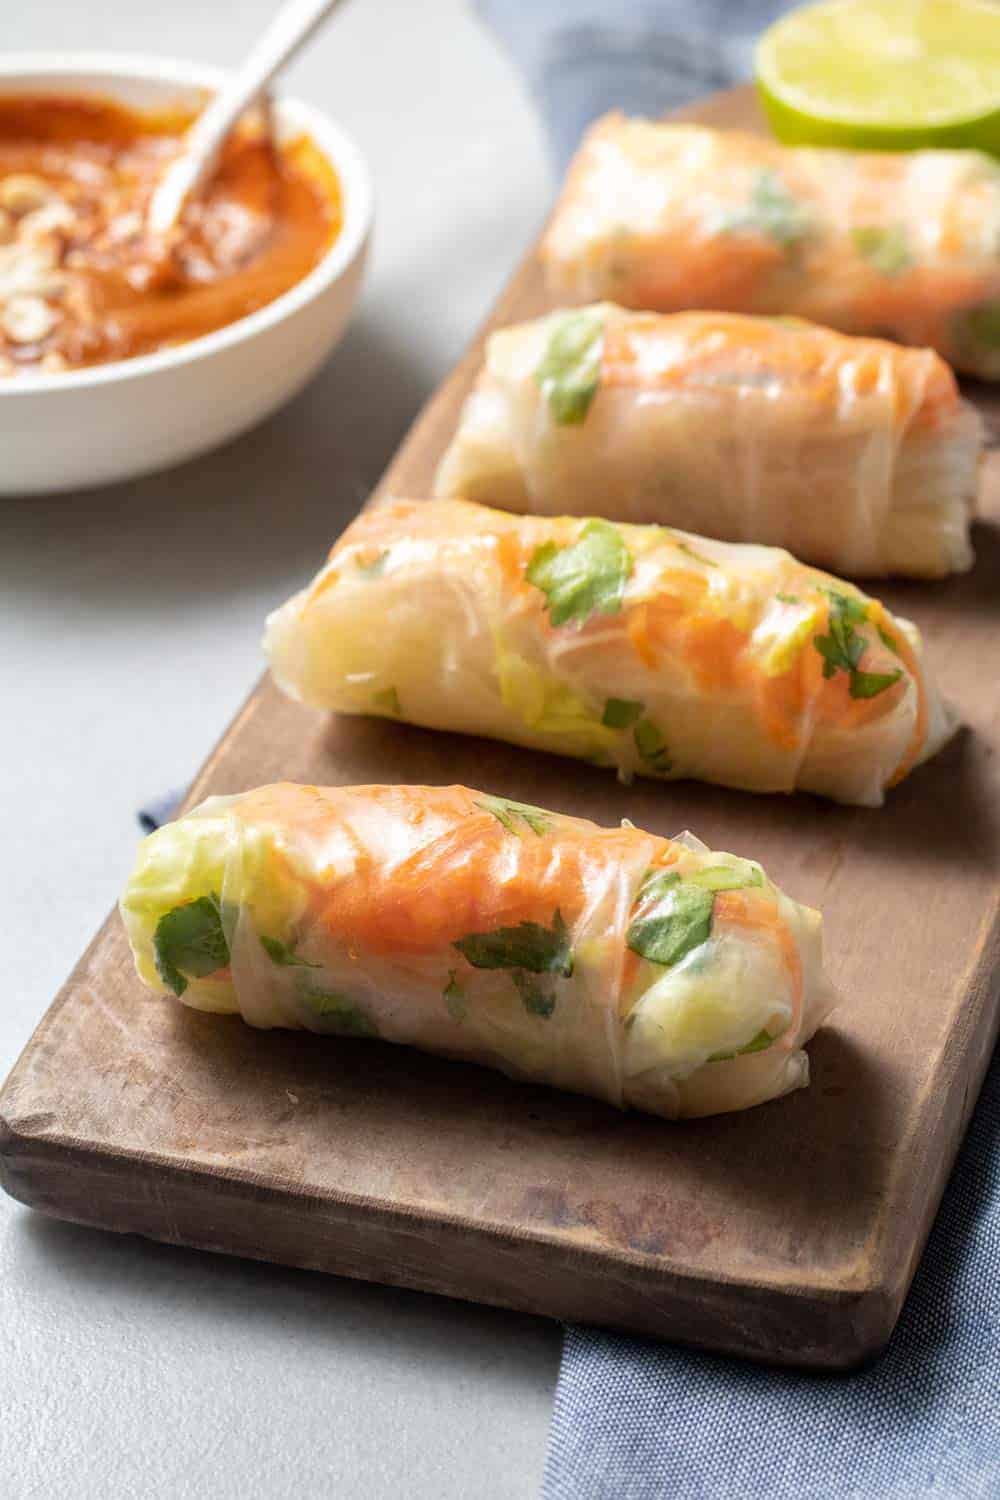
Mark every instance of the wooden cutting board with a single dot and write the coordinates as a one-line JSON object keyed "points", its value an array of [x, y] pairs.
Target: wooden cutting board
{"points": [[787, 1233]]}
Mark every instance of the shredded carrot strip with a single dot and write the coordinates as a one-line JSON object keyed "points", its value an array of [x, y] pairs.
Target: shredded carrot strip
{"points": [[781, 701], [714, 649], [511, 559], [637, 625], [463, 881]]}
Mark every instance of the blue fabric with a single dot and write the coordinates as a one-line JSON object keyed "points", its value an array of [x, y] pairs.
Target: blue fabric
{"points": [[159, 810], [641, 1421], [583, 57]]}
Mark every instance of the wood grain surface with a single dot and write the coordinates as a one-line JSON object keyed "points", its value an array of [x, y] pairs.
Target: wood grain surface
{"points": [[788, 1233]]}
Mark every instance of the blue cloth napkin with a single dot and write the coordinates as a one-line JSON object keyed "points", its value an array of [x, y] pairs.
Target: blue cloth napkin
{"points": [[641, 1421], [583, 57], [159, 810]]}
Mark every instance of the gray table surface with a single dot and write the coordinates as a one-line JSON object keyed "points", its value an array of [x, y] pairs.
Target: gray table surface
{"points": [[129, 626]]}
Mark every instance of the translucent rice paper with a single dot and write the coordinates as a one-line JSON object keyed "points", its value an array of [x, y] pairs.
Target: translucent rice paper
{"points": [[855, 454], [645, 971], [904, 245], [650, 650]]}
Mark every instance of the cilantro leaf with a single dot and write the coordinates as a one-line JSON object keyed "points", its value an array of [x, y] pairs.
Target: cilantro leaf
{"points": [[453, 995], [283, 954], [342, 1016], [839, 654], [842, 649], [788, 598], [387, 702], [570, 369], [189, 942], [538, 1001], [852, 611], [887, 249], [509, 813], [621, 713], [529, 945], [772, 212], [651, 745], [675, 918], [870, 684], [586, 576]]}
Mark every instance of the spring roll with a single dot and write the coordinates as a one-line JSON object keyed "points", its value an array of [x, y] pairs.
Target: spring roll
{"points": [[649, 972], [903, 244], [855, 454], [638, 647]]}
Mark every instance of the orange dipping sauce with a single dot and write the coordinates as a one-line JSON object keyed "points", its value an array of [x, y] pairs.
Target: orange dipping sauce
{"points": [[81, 280]]}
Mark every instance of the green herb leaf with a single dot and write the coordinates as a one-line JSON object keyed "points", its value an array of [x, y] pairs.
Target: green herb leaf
{"points": [[343, 1017], [586, 576], [846, 607], [839, 655], [621, 713], [387, 702], [870, 684], [651, 745], [511, 813], [771, 212], [282, 954], [760, 1041], [537, 999], [529, 945], [887, 249], [656, 882], [376, 567], [788, 598], [189, 942], [570, 370], [888, 640], [453, 995], [843, 648], [675, 918]]}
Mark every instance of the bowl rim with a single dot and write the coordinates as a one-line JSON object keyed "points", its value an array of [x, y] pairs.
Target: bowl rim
{"points": [[336, 145]]}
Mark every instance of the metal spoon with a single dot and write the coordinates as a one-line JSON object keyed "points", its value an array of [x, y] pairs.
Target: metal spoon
{"points": [[294, 24]]}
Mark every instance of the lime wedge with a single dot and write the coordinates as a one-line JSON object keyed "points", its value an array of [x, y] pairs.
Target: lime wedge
{"points": [[886, 74]]}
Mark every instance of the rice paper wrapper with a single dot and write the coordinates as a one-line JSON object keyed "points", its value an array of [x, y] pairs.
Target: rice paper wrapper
{"points": [[642, 648], [648, 972]]}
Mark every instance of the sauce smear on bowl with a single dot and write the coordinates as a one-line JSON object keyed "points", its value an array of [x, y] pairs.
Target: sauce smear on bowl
{"points": [[82, 282]]}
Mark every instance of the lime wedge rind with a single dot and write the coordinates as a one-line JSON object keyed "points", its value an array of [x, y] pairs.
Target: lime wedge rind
{"points": [[884, 74]]}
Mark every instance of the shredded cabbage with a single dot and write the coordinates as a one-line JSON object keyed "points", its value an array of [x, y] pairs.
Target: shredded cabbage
{"points": [[185, 860], [548, 706]]}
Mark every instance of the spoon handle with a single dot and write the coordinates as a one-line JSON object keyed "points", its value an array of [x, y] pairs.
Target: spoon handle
{"points": [[294, 24]]}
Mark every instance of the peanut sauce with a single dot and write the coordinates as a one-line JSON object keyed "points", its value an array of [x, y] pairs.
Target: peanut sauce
{"points": [[83, 282]]}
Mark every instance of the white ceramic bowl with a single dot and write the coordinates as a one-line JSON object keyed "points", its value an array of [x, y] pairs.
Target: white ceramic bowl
{"points": [[114, 421]]}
